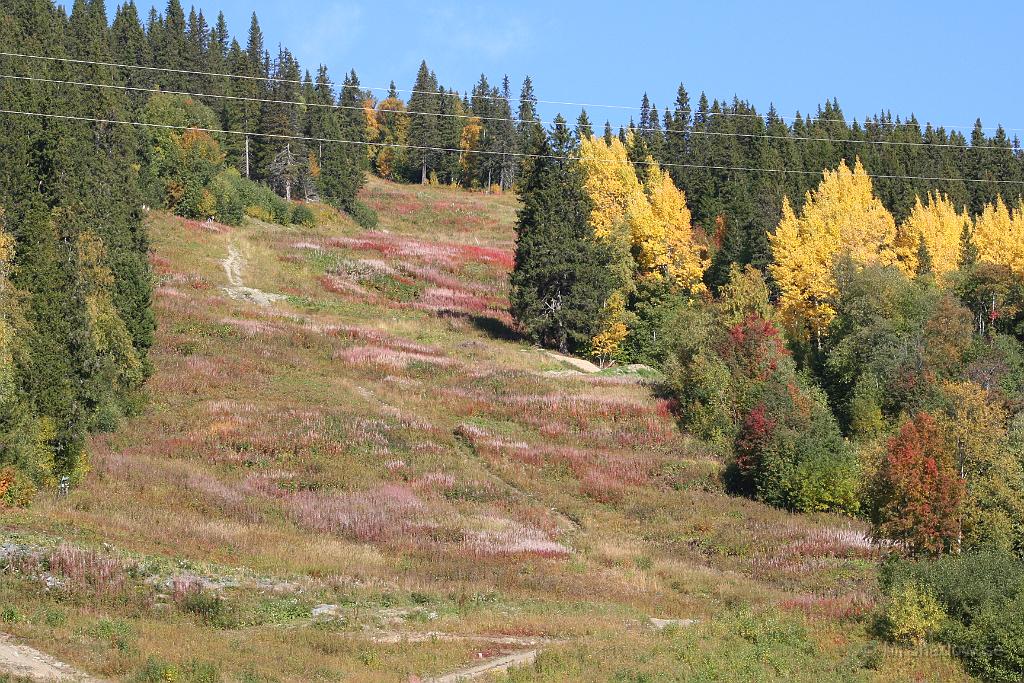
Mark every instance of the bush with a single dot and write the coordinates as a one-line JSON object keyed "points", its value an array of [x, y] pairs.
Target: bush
{"points": [[226, 189], [982, 595], [262, 203], [303, 215], [363, 215], [208, 606], [912, 615], [799, 460]]}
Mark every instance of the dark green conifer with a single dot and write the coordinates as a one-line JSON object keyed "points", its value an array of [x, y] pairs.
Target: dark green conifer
{"points": [[562, 276]]}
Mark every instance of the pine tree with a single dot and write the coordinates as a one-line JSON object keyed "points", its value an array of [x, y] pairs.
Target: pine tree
{"points": [[924, 259], [129, 46], [170, 50], [450, 127], [527, 113]]}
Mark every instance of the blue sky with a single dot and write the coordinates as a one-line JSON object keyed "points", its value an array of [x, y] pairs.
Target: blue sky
{"points": [[947, 62]]}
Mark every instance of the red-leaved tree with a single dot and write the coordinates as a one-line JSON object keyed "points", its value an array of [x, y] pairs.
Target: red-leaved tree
{"points": [[918, 494], [753, 349], [755, 433]]}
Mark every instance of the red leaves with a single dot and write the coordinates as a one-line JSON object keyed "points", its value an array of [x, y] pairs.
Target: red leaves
{"points": [[919, 495], [753, 348], [755, 434]]}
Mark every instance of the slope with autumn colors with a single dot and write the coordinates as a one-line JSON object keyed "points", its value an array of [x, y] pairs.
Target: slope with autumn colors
{"points": [[350, 467]]}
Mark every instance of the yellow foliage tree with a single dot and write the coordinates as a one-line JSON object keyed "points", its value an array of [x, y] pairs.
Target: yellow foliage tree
{"points": [[109, 335], [842, 217], [653, 218], [469, 143], [940, 226], [607, 343], [610, 181], [670, 247], [27, 457], [999, 235], [391, 130], [647, 226]]}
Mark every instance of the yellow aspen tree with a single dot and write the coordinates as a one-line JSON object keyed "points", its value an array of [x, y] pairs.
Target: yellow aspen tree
{"points": [[372, 124], [610, 181], [675, 251], [842, 217], [647, 225], [469, 143], [607, 343], [652, 216], [999, 236], [390, 129], [107, 330], [940, 226]]}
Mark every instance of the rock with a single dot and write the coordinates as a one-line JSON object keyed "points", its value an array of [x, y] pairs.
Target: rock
{"points": [[661, 624], [327, 612]]}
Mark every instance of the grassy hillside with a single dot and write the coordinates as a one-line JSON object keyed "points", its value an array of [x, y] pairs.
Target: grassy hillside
{"points": [[346, 419]]}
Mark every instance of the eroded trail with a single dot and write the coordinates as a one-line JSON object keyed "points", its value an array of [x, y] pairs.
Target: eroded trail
{"points": [[490, 666], [236, 289], [27, 662]]}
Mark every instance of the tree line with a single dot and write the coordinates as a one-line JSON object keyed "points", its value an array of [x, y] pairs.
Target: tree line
{"points": [[874, 368]]}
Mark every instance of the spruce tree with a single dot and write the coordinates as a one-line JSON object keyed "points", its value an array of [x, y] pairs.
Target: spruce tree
{"points": [[924, 258], [584, 129], [450, 123], [561, 277], [342, 171], [279, 122], [424, 105]]}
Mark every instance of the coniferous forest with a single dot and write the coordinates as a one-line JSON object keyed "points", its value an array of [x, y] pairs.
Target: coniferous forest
{"points": [[834, 306]]}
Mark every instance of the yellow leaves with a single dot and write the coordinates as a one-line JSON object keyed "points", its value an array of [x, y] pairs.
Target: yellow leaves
{"points": [[108, 332], [198, 146], [469, 143], [999, 235], [647, 227], [670, 247], [610, 181], [606, 344], [842, 217], [391, 129], [941, 227], [370, 118], [653, 219], [6, 248]]}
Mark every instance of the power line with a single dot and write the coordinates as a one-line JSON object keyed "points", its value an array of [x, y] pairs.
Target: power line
{"points": [[526, 155], [449, 93], [756, 136]]}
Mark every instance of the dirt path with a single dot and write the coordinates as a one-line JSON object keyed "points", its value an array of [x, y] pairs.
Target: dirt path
{"points": [[27, 662], [490, 666], [581, 364], [236, 288]]}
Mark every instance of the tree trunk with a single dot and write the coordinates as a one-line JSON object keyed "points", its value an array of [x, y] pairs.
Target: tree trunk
{"points": [[246, 156], [423, 173]]}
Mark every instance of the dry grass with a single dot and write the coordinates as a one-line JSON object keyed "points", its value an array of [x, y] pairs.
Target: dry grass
{"points": [[382, 441]]}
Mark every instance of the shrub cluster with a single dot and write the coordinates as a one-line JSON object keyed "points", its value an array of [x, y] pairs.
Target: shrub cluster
{"points": [[974, 603]]}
